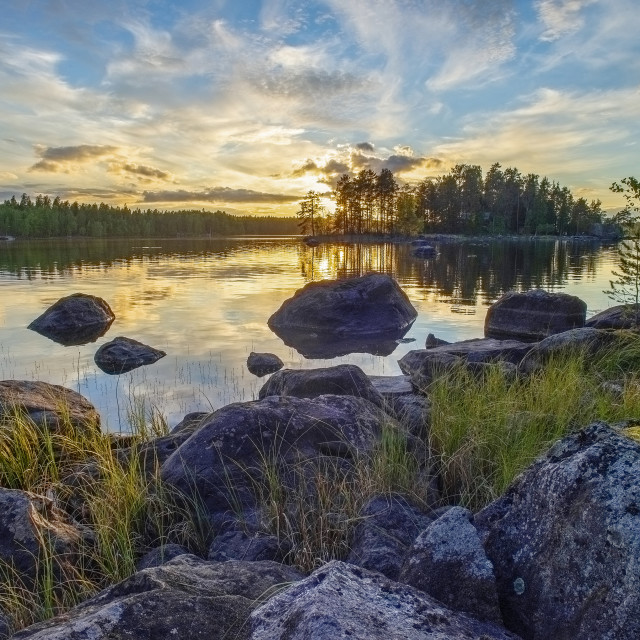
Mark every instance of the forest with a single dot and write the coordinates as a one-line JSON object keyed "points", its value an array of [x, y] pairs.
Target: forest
{"points": [[462, 201], [47, 218]]}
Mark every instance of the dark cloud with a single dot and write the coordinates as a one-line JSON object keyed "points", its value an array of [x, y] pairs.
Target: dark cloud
{"points": [[217, 194], [308, 167], [365, 146], [52, 159], [140, 170], [329, 169], [397, 163]]}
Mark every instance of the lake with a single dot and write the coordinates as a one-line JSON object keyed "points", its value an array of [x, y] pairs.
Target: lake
{"points": [[206, 303]]}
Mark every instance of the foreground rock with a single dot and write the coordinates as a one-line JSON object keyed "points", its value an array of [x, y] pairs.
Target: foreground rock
{"points": [[121, 355], [565, 540], [48, 405], [447, 561], [624, 316], [225, 461], [343, 601], [26, 520], [75, 319], [362, 309], [261, 364], [533, 315], [424, 365], [343, 379], [185, 598]]}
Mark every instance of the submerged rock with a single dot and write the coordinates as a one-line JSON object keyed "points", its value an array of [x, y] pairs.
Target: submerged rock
{"points": [[533, 315], [364, 307], [564, 540], [185, 598], [48, 405], [75, 319], [344, 601], [121, 355], [261, 364]]}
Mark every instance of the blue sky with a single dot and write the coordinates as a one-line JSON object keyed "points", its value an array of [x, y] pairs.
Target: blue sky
{"points": [[246, 105]]}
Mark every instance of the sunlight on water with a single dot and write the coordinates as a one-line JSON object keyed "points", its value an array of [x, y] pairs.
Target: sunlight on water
{"points": [[206, 303]]}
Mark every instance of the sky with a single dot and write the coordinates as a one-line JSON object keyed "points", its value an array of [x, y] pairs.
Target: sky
{"points": [[245, 105]]}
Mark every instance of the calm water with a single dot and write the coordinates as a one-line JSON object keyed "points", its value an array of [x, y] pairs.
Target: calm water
{"points": [[206, 303]]}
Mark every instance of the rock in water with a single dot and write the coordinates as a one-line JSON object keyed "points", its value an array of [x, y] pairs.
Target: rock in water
{"points": [[533, 315], [261, 364], [564, 540], [124, 354], [623, 316], [371, 305], [344, 601], [75, 319]]}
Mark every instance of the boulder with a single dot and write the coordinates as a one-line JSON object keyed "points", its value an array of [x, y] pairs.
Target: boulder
{"points": [[424, 251], [432, 342], [26, 519], [448, 562], [533, 315], [388, 526], [121, 355], [160, 555], [344, 601], [238, 544], [261, 364], [184, 598], [48, 405], [227, 457], [412, 411], [75, 319], [564, 540], [343, 379], [423, 365], [623, 316], [372, 305], [392, 386]]}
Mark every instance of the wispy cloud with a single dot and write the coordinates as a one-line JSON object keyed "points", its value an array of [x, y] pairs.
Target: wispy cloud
{"points": [[217, 194], [560, 17], [56, 159]]}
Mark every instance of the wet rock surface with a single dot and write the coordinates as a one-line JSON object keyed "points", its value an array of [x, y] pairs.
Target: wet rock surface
{"points": [[75, 319], [121, 355], [533, 315]]}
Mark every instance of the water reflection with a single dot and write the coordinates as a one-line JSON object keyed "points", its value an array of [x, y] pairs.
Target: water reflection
{"points": [[206, 303]]}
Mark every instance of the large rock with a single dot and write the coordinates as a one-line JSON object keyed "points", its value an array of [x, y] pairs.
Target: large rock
{"points": [[366, 310], [229, 454], [344, 601], [533, 315], [424, 365], [185, 598], [26, 521], [48, 405], [261, 364], [623, 316], [75, 319], [448, 562], [343, 379], [121, 355], [388, 526], [564, 540]]}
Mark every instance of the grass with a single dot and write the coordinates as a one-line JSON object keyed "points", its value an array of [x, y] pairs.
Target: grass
{"points": [[485, 429]]}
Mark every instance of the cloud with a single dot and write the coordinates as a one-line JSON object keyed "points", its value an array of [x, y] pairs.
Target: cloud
{"points": [[142, 170], [56, 159], [217, 194], [365, 146], [560, 17]]}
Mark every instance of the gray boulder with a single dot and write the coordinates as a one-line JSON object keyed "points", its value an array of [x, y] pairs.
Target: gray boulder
{"points": [[161, 555], [432, 342], [564, 540], [448, 562], [261, 364], [392, 386], [75, 319], [424, 365], [226, 458], [121, 355], [533, 315], [48, 405], [185, 598], [238, 544], [371, 305], [26, 519], [623, 316], [344, 601], [343, 379], [389, 524]]}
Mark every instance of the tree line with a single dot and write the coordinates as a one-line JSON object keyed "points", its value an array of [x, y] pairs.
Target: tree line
{"points": [[46, 217], [461, 201]]}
